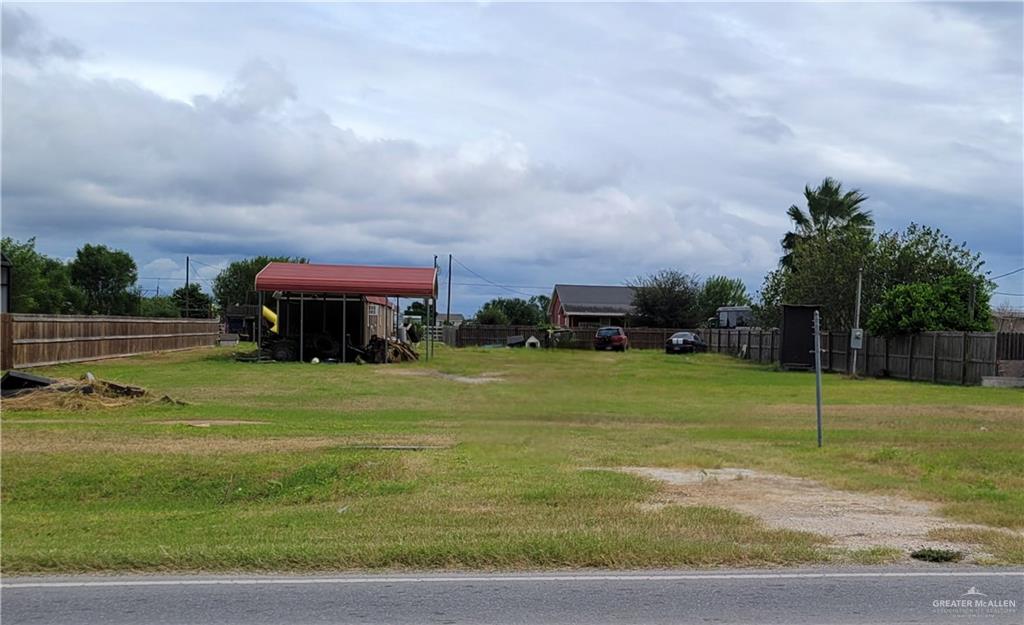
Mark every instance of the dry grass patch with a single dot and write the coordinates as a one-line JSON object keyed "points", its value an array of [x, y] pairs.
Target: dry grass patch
{"points": [[61, 443], [1001, 414]]}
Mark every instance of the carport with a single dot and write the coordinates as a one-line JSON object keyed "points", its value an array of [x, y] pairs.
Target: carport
{"points": [[330, 302]]}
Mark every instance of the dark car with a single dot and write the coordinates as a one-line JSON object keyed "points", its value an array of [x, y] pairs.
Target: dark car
{"points": [[611, 337], [685, 343]]}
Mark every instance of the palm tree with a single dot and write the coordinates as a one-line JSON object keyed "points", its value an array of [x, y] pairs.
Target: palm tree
{"points": [[829, 209]]}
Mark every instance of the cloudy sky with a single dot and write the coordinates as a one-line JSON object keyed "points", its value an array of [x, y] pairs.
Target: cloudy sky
{"points": [[537, 143]]}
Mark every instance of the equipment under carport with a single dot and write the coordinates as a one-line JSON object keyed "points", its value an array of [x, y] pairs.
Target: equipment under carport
{"points": [[334, 312]]}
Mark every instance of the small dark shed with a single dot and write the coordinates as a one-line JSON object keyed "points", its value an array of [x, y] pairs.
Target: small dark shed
{"points": [[797, 350]]}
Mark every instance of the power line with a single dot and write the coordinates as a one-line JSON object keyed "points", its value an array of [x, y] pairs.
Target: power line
{"points": [[511, 286], [1009, 294], [1008, 274], [199, 262], [491, 282]]}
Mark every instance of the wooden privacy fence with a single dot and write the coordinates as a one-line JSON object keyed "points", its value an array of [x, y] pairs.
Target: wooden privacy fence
{"points": [[575, 338], [1010, 346], [38, 340], [949, 357]]}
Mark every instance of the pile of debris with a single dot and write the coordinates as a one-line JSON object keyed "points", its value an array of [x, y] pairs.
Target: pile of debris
{"points": [[26, 391], [382, 350]]}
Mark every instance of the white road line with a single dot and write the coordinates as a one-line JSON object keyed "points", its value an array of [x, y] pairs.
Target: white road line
{"points": [[288, 581]]}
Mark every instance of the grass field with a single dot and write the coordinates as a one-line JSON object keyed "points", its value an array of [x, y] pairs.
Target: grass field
{"points": [[501, 485]]}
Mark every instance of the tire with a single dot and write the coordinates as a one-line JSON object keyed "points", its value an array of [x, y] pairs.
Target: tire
{"points": [[284, 351]]}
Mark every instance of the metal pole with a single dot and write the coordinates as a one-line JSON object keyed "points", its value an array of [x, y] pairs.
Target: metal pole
{"points": [[259, 324], [426, 329], [448, 312], [302, 327], [186, 287], [344, 328], [856, 321], [817, 367]]}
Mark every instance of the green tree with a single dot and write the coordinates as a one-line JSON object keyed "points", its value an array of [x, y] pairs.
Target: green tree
{"points": [[491, 316], [107, 278], [542, 303], [829, 209], [160, 306], [235, 282], [666, 299], [825, 273], [720, 291], [952, 303], [515, 310], [197, 305], [767, 308], [419, 309], [39, 283]]}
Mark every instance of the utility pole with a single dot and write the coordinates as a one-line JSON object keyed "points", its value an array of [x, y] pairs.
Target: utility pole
{"points": [[448, 312], [817, 367], [186, 287], [856, 325]]}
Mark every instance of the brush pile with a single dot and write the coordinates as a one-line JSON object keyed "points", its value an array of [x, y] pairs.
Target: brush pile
{"points": [[67, 394], [381, 350]]}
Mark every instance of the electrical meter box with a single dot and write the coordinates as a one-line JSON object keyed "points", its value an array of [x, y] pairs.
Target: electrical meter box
{"points": [[856, 338]]}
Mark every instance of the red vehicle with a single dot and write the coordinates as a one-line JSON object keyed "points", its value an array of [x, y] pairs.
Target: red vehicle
{"points": [[611, 337]]}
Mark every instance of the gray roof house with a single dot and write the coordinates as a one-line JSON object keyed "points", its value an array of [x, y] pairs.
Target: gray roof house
{"points": [[456, 319], [576, 304]]}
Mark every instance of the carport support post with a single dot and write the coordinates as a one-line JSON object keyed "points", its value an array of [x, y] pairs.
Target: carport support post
{"points": [[817, 367], [426, 329], [302, 327], [344, 328]]}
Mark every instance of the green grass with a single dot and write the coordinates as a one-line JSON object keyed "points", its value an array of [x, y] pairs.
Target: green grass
{"points": [[110, 490]]}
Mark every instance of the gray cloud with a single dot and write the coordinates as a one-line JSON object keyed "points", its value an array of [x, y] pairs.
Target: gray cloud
{"points": [[24, 38], [539, 143]]}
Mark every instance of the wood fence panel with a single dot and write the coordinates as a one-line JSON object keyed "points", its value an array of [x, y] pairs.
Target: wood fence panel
{"points": [[39, 340], [6, 346], [949, 357], [1010, 346], [981, 357]]}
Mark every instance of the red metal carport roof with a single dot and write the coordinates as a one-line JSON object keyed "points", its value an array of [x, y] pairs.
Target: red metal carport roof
{"points": [[348, 279]]}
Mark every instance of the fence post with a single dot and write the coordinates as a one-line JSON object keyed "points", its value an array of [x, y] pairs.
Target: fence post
{"points": [[963, 362], [910, 360], [830, 343], [935, 358], [867, 355], [771, 354]]}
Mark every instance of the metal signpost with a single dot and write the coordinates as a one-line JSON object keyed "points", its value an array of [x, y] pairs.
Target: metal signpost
{"points": [[817, 367]]}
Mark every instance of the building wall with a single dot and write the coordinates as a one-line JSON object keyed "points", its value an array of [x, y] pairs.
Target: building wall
{"points": [[379, 319], [557, 313], [575, 321]]}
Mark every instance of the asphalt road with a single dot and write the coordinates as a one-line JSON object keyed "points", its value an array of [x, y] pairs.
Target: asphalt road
{"points": [[819, 596]]}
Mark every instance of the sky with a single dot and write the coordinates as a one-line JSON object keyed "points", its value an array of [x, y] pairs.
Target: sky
{"points": [[537, 143]]}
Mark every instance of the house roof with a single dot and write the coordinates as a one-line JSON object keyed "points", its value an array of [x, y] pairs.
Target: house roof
{"points": [[348, 279], [452, 317], [380, 300], [579, 299]]}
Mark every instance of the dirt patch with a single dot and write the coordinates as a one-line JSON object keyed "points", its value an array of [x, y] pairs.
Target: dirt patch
{"points": [[205, 423], [203, 445], [483, 378], [851, 520]]}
